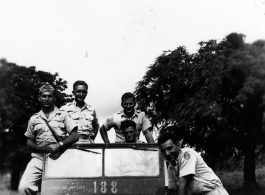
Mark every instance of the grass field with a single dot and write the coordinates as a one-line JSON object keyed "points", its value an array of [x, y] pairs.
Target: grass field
{"points": [[233, 182]]}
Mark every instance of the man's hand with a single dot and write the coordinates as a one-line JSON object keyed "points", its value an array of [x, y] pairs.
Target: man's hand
{"points": [[53, 148], [48, 148], [56, 152], [42, 148]]}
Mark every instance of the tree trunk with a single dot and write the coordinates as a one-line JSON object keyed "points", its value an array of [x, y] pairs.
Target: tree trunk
{"points": [[249, 164], [15, 178]]}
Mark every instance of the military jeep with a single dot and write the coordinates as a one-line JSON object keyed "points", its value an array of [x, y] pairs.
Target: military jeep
{"points": [[135, 169]]}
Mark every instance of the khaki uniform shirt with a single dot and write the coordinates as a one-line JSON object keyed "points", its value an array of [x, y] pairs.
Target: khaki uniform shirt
{"points": [[85, 118], [142, 123], [190, 162], [38, 129]]}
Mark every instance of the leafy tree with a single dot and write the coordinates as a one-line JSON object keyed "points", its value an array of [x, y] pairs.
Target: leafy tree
{"points": [[214, 99], [19, 101]]}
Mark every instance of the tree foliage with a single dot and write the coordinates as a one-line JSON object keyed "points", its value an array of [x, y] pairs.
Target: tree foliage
{"points": [[19, 87], [214, 98]]}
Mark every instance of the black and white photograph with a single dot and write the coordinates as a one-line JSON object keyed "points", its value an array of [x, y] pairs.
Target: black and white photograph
{"points": [[132, 97]]}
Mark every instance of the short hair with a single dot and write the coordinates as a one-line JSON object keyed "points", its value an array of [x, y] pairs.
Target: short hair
{"points": [[167, 136], [127, 95], [79, 82], [126, 124]]}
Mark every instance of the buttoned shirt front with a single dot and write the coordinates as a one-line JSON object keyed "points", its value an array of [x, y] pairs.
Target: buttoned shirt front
{"points": [[189, 162], [38, 129], [142, 123], [85, 118]]}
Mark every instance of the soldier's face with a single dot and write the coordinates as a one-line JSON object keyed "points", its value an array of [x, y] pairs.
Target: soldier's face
{"points": [[47, 99], [128, 105], [129, 134], [80, 93], [170, 150]]}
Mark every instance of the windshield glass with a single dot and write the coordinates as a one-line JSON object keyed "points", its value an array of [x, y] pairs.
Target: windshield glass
{"points": [[76, 163], [132, 162], [118, 162]]}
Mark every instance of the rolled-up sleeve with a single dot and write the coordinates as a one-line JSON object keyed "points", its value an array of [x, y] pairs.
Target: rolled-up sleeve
{"points": [[29, 132], [188, 164], [145, 123], [109, 123]]}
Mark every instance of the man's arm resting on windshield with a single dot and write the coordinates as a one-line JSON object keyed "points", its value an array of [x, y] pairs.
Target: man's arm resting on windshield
{"points": [[148, 136], [71, 139], [95, 131], [33, 147], [104, 134], [67, 142], [49, 148], [95, 125], [183, 183]]}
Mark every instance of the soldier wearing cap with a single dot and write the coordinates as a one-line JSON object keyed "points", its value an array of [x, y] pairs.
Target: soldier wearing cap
{"points": [[41, 140], [83, 114], [129, 113], [187, 171]]}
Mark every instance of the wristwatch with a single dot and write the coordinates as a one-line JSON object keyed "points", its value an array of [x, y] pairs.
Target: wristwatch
{"points": [[61, 144]]}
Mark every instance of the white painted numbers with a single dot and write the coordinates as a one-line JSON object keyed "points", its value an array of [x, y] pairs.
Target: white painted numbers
{"points": [[103, 187], [114, 187], [95, 187]]}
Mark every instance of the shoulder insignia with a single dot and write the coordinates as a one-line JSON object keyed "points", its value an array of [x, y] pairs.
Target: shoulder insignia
{"points": [[186, 155]]}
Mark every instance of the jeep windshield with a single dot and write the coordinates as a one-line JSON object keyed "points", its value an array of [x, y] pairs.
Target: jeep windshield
{"points": [[105, 169]]}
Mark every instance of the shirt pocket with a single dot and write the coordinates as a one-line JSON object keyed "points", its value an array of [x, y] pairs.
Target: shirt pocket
{"points": [[74, 115], [58, 126], [40, 130], [88, 116]]}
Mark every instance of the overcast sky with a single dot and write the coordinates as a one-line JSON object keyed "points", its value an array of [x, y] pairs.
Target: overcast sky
{"points": [[110, 43]]}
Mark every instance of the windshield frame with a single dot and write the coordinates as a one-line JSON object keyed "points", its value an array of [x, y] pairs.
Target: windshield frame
{"points": [[142, 146]]}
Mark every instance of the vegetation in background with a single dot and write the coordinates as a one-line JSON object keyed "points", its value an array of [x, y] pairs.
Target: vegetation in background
{"points": [[213, 99], [19, 87]]}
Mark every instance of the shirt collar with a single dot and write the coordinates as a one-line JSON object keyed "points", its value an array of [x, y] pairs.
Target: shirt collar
{"points": [[84, 107], [179, 156], [55, 111], [134, 114]]}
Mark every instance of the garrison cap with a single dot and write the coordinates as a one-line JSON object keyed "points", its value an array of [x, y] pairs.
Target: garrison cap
{"points": [[46, 87]]}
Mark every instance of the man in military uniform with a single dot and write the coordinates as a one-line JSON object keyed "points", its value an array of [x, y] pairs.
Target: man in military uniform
{"points": [[187, 171], [128, 128], [41, 139], [129, 113], [83, 114]]}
